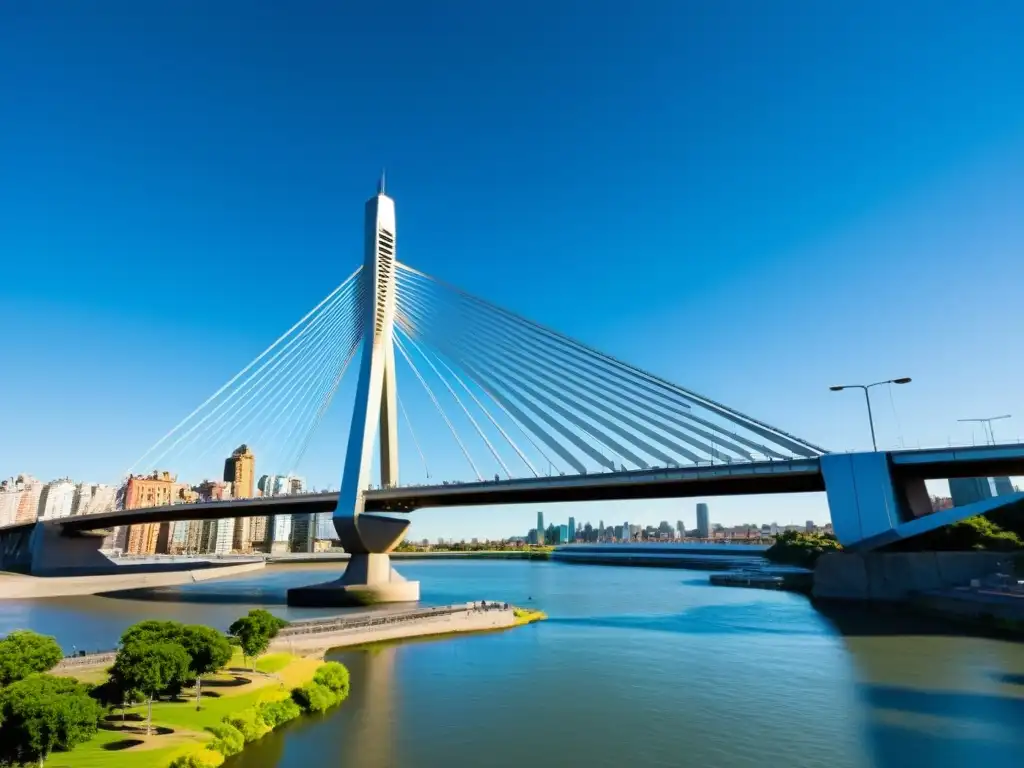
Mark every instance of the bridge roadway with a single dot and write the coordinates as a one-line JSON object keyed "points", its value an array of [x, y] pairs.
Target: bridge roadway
{"points": [[753, 478]]}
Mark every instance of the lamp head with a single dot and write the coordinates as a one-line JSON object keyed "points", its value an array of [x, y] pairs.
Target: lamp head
{"points": [[904, 380], [836, 389]]}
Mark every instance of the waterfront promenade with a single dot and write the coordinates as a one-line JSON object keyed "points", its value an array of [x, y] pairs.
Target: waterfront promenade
{"points": [[314, 637]]}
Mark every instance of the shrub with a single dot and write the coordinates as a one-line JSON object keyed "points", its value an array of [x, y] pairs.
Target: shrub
{"points": [[334, 677], [275, 713], [229, 740], [249, 723], [314, 697], [802, 549], [204, 758]]}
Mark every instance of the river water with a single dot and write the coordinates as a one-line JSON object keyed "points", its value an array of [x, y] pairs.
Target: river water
{"points": [[635, 667]]}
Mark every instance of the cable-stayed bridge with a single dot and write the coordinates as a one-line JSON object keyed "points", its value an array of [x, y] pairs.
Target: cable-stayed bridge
{"points": [[535, 415]]}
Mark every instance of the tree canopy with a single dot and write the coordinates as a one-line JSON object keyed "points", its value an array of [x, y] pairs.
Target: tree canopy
{"points": [[153, 631], [255, 631], [43, 713], [150, 669], [23, 652]]}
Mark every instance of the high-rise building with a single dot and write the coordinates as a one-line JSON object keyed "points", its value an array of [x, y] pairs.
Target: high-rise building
{"points": [[56, 499], [82, 499], [154, 490], [572, 530], [279, 534], [703, 521], [218, 536], [258, 527], [324, 527], [240, 471], [809, 526], [302, 533], [681, 529], [28, 503], [626, 535], [9, 499]]}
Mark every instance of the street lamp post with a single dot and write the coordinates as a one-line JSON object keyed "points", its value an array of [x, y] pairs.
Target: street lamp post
{"points": [[867, 399], [987, 422]]}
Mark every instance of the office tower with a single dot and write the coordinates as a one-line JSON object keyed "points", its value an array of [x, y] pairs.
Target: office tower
{"points": [[572, 530], [563, 534], [302, 533], [540, 522], [681, 529], [626, 534], [703, 521], [809, 526]]}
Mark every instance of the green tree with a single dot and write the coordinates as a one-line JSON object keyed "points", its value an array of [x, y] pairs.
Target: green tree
{"points": [[208, 651], [43, 713], [255, 631], [23, 653], [153, 631], [150, 670]]}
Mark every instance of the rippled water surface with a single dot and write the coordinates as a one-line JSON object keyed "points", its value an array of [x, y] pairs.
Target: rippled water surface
{"points": [[636, 667]]}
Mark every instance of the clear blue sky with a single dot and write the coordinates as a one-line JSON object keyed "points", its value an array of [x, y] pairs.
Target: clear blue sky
{"points": [[755, 200]]}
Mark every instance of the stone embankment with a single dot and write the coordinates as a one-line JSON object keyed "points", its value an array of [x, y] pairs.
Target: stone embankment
{"points": [[898, 576], [316, 636], [320, 635]]}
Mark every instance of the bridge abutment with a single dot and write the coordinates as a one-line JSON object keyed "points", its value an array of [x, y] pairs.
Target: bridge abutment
{"points": [[873, 503]]}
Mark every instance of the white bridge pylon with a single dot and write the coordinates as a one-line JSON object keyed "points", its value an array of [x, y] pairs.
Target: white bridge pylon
{"points": [[369, 577]]}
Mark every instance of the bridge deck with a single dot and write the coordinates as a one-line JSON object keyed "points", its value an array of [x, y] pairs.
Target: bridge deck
{"points": [[766, 477]]}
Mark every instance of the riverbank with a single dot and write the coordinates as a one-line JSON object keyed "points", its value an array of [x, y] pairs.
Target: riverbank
{"points": [[178, 727], [482, 554]]}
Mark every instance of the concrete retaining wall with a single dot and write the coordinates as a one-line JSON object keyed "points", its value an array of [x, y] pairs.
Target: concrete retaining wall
{"points": [[898, 576], [16, 586]]}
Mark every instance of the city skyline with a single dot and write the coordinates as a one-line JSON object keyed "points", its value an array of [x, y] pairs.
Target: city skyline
{"points": [[795, 246]]}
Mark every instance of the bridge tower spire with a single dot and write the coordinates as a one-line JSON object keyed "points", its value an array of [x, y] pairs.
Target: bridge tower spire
{"points": [[369, 577]]}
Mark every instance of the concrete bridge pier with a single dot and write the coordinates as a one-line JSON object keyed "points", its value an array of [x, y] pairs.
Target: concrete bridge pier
{"points": [[369, 578]]}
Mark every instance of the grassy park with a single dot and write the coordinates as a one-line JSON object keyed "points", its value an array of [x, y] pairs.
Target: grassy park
{"points": [[178, 728], [181, 696]]}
